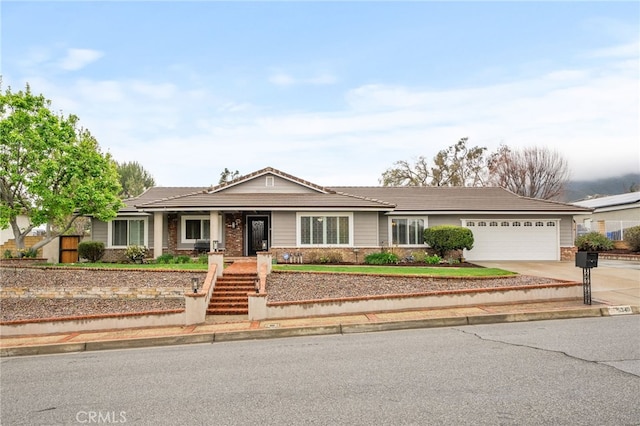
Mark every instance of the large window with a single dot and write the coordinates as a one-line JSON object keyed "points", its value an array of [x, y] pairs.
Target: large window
{"points": [[407, 231], [128, 232], [324, 229], [195, 228]]}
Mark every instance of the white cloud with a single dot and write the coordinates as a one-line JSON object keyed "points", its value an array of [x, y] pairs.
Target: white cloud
{"points": [[185, 135], [76, 59], [284, 79]]}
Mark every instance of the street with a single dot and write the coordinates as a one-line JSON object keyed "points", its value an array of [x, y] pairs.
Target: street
{"points": [[578, 372]]}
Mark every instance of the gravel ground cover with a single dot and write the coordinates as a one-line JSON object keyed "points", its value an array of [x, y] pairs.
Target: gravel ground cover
{"points": [[23, 309], [281, 287], [288, 286]]}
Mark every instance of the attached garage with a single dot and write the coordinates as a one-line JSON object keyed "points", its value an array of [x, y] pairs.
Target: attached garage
{"points": [[513, 239]]}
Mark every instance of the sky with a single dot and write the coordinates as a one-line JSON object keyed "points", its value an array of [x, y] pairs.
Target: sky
{"points": [[333, 92]]}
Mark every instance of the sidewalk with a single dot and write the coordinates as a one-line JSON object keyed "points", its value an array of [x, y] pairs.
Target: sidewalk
{"points": [[611, 296]]}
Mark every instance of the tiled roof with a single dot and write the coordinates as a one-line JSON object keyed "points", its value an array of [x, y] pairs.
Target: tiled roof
{"points": [[158, 193], [399, 199], [441, 199], [267, 170], [206, 200]]}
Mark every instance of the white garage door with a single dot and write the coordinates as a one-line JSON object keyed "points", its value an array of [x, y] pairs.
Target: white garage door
{"points": [[513, 239]]}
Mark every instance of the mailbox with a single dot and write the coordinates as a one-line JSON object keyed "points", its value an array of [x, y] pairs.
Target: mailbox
{"points": [[586, 259]]}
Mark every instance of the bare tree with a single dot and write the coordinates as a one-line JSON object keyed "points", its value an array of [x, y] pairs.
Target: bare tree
{"points": [[459, 165], [405, 174], [531, 172]]}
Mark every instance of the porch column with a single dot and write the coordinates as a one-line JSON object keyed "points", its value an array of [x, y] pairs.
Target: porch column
{"points": [[157, 234], [214, 228]]}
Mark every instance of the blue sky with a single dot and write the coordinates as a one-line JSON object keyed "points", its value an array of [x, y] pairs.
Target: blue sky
{"points": [[333, 92]]}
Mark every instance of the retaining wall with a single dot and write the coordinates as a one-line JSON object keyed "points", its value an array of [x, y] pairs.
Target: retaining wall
{"points": [[261, 309]]}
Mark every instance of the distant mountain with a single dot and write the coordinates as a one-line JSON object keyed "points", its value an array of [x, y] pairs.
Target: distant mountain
{"points": [[581, 189]]}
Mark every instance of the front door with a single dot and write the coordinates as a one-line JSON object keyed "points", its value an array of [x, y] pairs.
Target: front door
{"points": [[257, 234]]}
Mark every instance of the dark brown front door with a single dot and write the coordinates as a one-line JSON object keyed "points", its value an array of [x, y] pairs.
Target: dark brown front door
{"points": [[257, 234]]}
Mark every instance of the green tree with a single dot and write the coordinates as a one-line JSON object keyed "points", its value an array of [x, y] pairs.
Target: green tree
{"points": [[134, 179], [405, 174], [52, 171], [227, 176], [458, 165]]}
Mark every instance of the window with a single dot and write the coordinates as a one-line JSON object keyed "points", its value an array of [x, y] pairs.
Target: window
{"points": [[527, 223], [195, 228], [516, 223], [551, 224], [493, 223], [325, 230], [539, 223], [471, 224], [482, 223], [504, 224], [127, 232], [408, 231]]}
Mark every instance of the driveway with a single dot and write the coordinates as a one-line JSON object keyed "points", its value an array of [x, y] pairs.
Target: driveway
{"points": [[613, 282]]}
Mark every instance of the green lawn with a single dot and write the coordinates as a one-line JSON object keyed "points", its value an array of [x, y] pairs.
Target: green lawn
{"points": [[172, 266], [397, 270], [356, 269]]}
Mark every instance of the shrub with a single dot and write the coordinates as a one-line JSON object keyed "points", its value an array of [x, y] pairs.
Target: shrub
{"points": [[183, 259], [433, 260], [7, 254], [594, 241], [91, 250], [632, 238], [165, 259], [324, 256], [203, 259], [136, 254], [445, 238], [29, 253], [383, 258]]}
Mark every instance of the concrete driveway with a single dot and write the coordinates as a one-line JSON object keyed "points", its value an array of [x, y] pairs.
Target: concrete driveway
{"points": [[613, 282]]}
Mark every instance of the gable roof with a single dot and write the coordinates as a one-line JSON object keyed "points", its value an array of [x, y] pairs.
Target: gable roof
{"points": [[267, 171], [218, 197], [158, 193], [404, 199], [457, 199]]}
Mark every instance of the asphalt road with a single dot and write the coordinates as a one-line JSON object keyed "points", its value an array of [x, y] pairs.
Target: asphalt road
{"points": [[577, 372]]}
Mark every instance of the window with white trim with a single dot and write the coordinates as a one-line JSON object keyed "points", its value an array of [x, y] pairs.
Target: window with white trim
{"points": [[407, 231], [324, 229], [195, 228], [124, 232]]}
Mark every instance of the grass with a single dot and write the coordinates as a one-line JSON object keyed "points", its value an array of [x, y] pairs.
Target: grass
{"points": [[397, 270], [356, 269], [167, 266]]}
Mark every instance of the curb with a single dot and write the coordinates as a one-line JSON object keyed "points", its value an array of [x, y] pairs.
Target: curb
{"points": [[230, 336]]}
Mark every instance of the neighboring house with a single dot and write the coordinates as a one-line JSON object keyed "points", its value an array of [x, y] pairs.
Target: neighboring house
{"points": [[611, 215], [7, 234], [272, 210]]}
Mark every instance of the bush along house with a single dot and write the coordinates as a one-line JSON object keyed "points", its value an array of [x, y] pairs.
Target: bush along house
{"points": [[300, 221]]}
